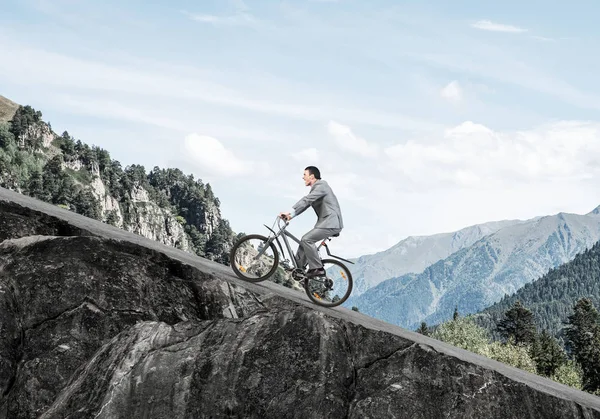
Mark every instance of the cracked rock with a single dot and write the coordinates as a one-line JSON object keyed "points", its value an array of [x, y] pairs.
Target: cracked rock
{"points": [[97, 328]]}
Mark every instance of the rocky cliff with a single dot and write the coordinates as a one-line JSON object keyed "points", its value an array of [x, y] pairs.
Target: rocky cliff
{"points": [[96, 322]]}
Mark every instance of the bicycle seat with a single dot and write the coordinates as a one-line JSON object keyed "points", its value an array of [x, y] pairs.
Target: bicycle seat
{"points": [[335, 235]]}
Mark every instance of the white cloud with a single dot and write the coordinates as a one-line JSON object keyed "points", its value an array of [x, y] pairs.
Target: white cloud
{"points": [[347, 140], [486, 25], [240, 18], [473, 155], [234, 20], [542, 38], [309, 155], [214, 158], [452, 92]]}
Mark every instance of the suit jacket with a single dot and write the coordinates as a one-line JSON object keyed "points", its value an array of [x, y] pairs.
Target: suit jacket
{"points": [[325, 204]]}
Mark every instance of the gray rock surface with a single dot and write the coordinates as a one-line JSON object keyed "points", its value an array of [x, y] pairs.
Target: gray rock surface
{"points": [[100, 323]]}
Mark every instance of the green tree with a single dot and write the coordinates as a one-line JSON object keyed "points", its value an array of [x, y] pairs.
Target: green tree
{"points": [[511, 354], [52, 179], [518, 325], [35, 185], [67, 145], [463, 333], [547, 354], [583, 339], [6, 136], [569, 374], [423, 329], [24, 117], [218, 245], [87, 204], [112, 217], [66, 189]]}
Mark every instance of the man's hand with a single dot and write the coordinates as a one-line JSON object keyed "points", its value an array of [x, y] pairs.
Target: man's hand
{"points": [[285, 215]]}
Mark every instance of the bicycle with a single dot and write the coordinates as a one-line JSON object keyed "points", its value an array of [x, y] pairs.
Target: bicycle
{"points": [[263, 261]]}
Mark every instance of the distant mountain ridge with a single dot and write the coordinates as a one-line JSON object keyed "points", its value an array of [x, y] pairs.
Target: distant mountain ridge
{"points": [[479, 275], [415, 253]]}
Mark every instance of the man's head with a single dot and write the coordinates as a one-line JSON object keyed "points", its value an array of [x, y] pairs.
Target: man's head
{"points": [[311, 175]]}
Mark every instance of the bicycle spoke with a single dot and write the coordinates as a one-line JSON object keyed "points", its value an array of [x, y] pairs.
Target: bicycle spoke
{"points": [[253, 258], [333, 288]]}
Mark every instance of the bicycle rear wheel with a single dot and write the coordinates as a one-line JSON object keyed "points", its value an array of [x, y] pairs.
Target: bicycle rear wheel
{"points": [[332, 289], [246, 261]]}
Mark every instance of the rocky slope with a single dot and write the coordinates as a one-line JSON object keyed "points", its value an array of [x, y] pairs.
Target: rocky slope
{"points": [[415, 253], [7, 109], [96, 327], [479, 275]]}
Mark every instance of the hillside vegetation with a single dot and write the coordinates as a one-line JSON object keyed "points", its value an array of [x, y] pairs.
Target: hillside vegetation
{"points": [[164, 204]]}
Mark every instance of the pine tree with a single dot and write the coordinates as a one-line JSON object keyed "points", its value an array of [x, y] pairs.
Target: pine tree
{"points": [[23, 118], [583, 340], [547, 354], [35, 185], [87, 204], [518, 325], [423, 329]]}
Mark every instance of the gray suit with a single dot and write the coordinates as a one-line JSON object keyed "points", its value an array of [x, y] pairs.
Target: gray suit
{"points": [[329, 221]]}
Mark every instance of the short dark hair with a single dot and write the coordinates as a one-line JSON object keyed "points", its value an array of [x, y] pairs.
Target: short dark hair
{"points": [[312, 170]]}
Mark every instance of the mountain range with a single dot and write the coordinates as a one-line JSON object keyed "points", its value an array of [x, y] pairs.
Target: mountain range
{"points": [[480, 274], [415, 253]]}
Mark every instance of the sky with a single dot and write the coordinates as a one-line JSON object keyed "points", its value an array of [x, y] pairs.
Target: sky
{"points": [[424, 118]]}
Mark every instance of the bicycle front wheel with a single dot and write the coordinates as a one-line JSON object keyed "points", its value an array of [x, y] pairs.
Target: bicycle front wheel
{"points": [[252, 259], [332, 289]]}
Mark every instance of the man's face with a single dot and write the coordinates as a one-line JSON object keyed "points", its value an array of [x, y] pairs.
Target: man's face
{"points": [[307, 178]]}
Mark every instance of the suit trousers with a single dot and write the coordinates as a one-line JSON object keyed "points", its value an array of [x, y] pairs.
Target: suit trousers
{"points": [[307, 251]]}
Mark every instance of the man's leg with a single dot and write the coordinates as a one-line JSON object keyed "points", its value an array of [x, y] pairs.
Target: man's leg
{"points": [[307, 251], [301, 257]]}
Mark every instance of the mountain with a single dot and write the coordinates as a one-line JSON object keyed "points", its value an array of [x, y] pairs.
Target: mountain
{"points": [[477, 276], [163, 204], [100, 323], [415, 253], [551, 298], [8, 108]]}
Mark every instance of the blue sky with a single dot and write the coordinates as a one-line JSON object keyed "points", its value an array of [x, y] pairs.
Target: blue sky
{"points": [[424, 118]]}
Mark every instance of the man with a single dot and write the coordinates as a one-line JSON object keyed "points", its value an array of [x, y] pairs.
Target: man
{"points": [[329, 220]]}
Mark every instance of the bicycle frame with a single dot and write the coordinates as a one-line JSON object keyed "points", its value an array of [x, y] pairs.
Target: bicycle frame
{"points": [[285, 234]]}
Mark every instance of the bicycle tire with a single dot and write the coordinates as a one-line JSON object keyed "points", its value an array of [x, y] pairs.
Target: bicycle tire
{"points": [[239, 243], [341, 300]]}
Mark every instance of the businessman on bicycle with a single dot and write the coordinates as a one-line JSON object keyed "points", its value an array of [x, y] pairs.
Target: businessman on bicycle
{"points": [[329, 219]]}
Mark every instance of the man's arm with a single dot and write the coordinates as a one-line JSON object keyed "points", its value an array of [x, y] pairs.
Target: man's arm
{"points": [[317, 192]]}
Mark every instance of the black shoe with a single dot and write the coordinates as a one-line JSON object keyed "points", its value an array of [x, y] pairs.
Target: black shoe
{"points": [[311, 273]]}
